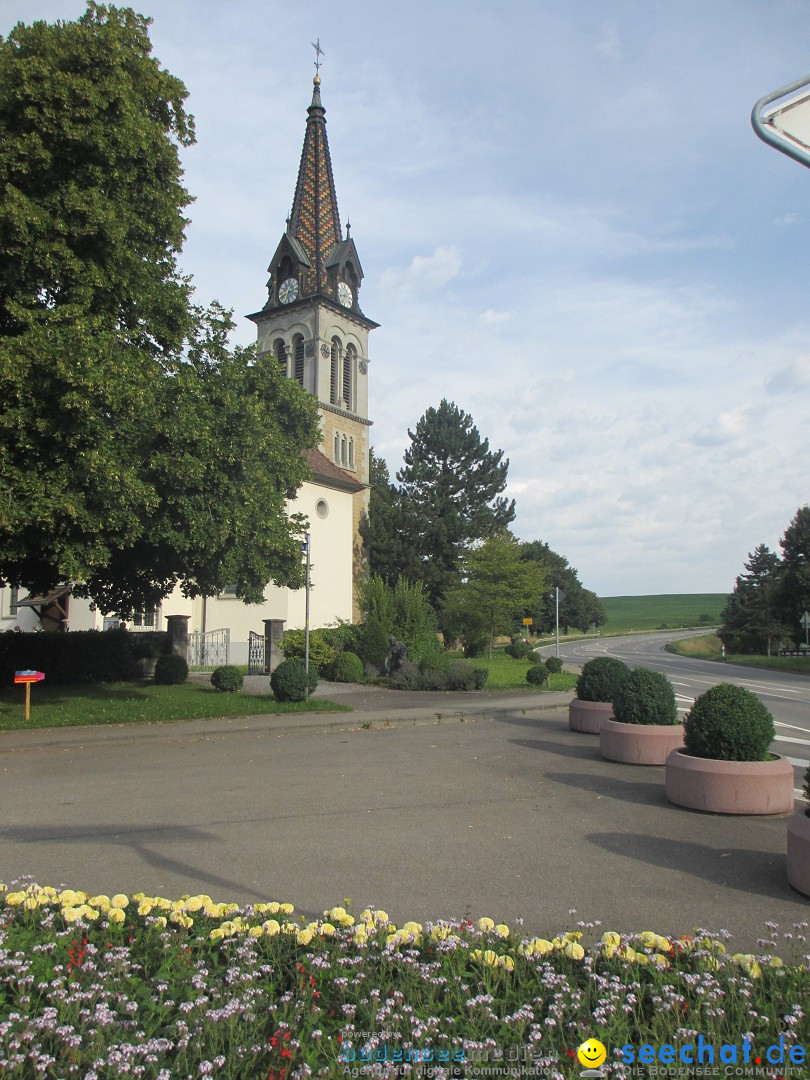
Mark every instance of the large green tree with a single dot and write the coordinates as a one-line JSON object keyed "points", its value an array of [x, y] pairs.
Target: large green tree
{"points": [[794, 585], [452, 484], [753, 620], [388, 529], [137, 451], [498, 585], [578, 607]]}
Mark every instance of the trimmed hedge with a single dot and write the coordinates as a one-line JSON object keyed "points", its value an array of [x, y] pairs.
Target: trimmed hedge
{"points": [[171, 670], [554, 665], [601, 679], [347, 668], [456, 676], [228, 679], [79, 656], [646, 697], [729, 723], [290, 681], [537, 675], [519, 650]]}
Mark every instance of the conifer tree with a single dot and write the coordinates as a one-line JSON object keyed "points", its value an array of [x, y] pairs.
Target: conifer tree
{"points": [[451, 483]]}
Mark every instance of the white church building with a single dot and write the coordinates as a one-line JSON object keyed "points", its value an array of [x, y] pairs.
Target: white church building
{"points": [[313, 324]]}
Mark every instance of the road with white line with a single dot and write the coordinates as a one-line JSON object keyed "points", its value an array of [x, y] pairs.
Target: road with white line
{"points": [[786, 696]]}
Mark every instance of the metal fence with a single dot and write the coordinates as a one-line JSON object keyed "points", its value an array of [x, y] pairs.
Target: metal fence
{"points": [[209, 650], [256, 654]]}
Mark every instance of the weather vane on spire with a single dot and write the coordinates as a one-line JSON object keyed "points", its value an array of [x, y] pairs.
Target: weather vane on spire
{"points": [[316, 45]]}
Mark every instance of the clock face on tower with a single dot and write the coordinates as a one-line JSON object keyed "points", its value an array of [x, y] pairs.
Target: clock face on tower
{"points": [[288, 290], [345, 295]]}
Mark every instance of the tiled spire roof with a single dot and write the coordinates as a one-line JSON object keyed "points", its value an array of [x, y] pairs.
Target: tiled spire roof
{"points": [[315, 220]]}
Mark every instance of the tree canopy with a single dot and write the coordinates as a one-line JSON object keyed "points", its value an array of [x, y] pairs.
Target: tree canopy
{"points": [[772, 595], [451, 483], [579, 607], [137, 450], [496, 588]]}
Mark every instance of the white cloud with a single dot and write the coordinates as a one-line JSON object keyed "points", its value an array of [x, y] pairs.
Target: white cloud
{"points": [[792, 378]]}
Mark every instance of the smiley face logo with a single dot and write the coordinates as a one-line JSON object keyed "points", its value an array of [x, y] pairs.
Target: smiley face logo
{"points": [[591, 1054]]}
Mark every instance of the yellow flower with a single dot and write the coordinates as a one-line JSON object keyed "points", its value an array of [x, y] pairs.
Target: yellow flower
{"points": [[574, 951], [213, 911], [286, 909], [304, 937], [610, 937], [506, 962], [71, 914], [145, 906], [160, 922], [119, 901], [88, 912], [749, 963], [776, 962], [502, 930], [179, 918], [413, 927], [360, 935], [327, 930], [102, 902], [485, 924], [217, 934], [440, 932], [116, 915], [490, 957], [256, 931], [536, 947], [14, 899], [271, 927], [289, 928]]}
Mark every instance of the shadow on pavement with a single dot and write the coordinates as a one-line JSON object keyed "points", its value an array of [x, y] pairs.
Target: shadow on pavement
{"points": [[744, 869], [650, 793]]}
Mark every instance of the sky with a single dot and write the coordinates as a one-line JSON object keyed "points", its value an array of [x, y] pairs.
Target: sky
{"points": [[567, 227]]}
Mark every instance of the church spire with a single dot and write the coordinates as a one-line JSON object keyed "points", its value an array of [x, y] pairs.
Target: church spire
{"points": [[315, 219]]}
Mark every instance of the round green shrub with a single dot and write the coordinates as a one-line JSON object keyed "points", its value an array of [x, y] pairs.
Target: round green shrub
{"points": [[171, 670], [519, 650], [537, 675], [348, 667], [554, 665], [290, 681], [645, 697], [227, 678], [601, 679], [481, 676], [729, 723]]}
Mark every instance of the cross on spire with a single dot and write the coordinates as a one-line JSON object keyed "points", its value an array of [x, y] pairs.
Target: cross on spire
{"points": [[316, 45]]}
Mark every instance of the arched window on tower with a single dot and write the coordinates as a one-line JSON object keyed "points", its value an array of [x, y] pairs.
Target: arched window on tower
{"points": [[344, 456], [337, 449], [348, 375], [334, 378], [351, 452], [298, 358], [280, 353]]}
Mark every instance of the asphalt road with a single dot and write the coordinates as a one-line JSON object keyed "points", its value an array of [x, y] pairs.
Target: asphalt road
{"points": [[786, 696], [430, 806]]}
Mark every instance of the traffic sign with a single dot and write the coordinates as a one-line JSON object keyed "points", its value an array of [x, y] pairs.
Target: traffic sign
{"points": [[785, 125]]}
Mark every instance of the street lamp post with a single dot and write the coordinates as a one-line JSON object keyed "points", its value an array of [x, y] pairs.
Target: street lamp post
{"points": [[306, 613]]}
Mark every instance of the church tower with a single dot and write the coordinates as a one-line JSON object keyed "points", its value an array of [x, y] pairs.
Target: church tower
{"points": [[312, 321]]}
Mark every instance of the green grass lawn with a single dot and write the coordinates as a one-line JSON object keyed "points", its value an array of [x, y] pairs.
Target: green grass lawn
{"points": [[133, 703], [505, 673], [708, 647], [664, 612]]}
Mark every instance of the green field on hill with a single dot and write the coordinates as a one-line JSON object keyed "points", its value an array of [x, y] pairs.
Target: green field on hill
{"points": [[665, 612]]}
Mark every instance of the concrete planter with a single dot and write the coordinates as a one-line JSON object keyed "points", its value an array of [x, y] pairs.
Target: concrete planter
{"points": [[588, 715], [639, 744], [798, 851], [729, 787], [145, 667]]}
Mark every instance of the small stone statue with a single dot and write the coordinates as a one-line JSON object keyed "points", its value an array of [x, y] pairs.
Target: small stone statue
{"points": [[397, 655]]}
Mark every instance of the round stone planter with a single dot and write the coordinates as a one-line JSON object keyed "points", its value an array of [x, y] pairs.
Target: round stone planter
{"points": [[588, 715], [798, 851], [729, 787], [639, 744]]}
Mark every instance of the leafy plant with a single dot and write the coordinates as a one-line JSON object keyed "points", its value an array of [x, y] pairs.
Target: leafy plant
{"points": [[291, 681], [601, 679], [171, 670], [227, 678], [348, 668], [729, 723], [554, 665], [537, 675], [322, 653], [519, 650], [645, 697]]}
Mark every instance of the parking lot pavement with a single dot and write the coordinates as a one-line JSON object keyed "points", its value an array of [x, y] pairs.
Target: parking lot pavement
{"points": [[429, 806]]}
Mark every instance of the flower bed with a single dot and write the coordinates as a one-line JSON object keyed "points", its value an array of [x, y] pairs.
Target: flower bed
{"points": [[102, 987]]}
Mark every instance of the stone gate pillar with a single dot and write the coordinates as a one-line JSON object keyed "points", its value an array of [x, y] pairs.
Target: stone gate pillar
{"points": [[273, 629], [177, 630]]}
